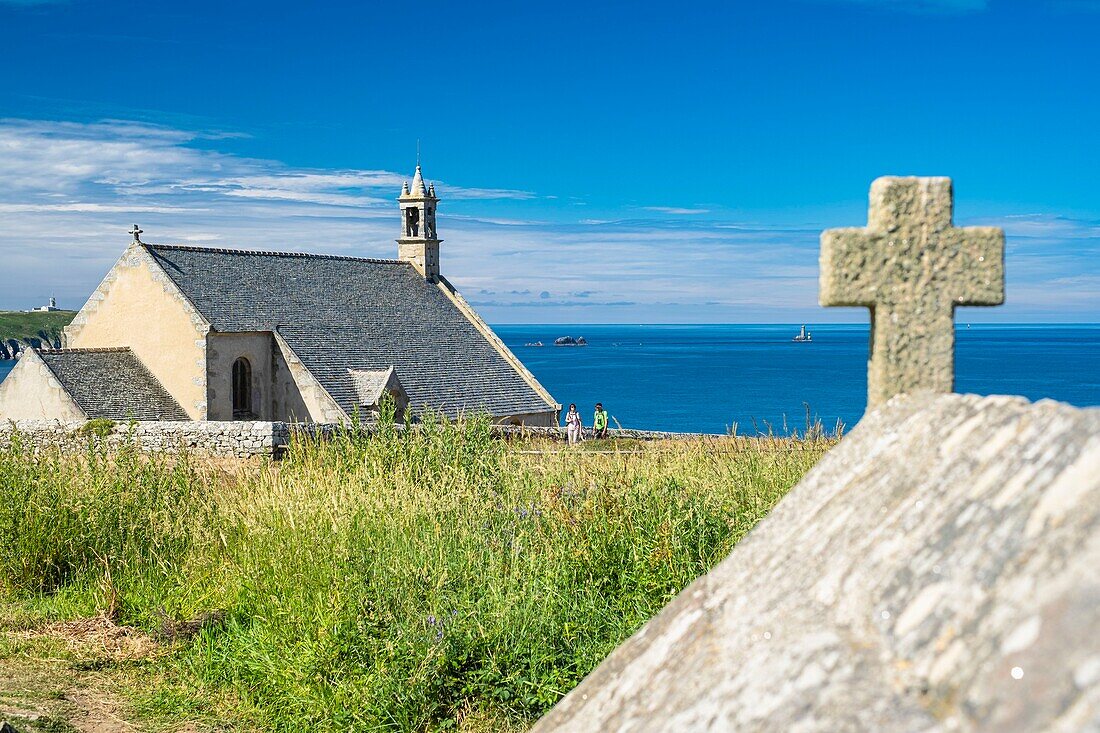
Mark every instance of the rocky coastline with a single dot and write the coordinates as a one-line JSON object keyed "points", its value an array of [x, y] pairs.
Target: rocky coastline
{"points": [[20, 331]]}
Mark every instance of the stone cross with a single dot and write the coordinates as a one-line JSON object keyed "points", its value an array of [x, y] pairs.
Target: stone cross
{"points": [[911, 267], [136, 232]]}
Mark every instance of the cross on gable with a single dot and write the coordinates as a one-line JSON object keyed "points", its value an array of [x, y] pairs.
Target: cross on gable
{"points": [[911, 267], [136, 232]]}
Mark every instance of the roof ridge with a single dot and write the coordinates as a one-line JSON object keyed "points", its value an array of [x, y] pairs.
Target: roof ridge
{"points": [[270, 253]]}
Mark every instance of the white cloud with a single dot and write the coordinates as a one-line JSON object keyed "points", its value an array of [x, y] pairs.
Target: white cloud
{"points": [[69, 192], [484, 193], [122, 157], [675, 210], [90, 208], [1046, 226]]}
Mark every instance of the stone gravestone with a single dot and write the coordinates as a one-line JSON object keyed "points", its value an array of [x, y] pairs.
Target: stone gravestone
{"points": [[911, 267], [939, 570]]}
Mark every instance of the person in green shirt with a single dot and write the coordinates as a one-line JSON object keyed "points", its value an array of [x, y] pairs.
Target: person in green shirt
{"points": [[599, 422]]}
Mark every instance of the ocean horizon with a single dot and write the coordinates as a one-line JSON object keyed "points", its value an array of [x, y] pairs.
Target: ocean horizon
{"points": [[709, 378]]}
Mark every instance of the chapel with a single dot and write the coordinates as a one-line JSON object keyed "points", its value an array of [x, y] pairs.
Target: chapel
{"points": [[193, 333]]}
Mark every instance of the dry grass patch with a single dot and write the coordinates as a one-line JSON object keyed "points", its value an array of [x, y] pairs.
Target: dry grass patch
{"points": [[66, 676], [95, 639]]}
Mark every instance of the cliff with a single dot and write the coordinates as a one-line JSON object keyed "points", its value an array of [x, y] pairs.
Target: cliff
{"points": [[19, 330]]}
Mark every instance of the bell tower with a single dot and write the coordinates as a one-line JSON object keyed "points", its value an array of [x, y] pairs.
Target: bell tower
{"points": [[418, 243]]}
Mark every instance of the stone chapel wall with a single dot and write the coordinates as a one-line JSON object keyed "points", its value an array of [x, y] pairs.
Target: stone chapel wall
{"points": [[319, 404], [275, 395], [138, 306], [32, 392]]}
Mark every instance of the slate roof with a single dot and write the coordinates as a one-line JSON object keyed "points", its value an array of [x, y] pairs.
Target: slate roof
{"points": [[112, 384], [341, 313]]}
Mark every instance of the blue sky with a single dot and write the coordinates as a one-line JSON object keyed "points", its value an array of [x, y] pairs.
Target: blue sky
{"points": [[599, 162]]}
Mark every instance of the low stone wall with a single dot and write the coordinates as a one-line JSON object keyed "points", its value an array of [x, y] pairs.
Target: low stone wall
{"points": [[235, 438], [211, 439]]}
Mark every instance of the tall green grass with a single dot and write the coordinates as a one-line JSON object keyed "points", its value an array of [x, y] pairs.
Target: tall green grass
{"points": [[429, 579], [71, 523]]}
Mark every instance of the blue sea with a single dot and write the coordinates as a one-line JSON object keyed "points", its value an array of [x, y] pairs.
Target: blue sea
{"points": [[708, 378]]}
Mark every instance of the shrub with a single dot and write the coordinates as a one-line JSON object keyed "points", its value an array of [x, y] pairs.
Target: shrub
{"points": [[100, 427]]}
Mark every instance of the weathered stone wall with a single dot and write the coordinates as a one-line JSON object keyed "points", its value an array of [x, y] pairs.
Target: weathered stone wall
{"points": [[288, 404], [210, 439], [936, 571], [243, 439], [222, 350], [531, 419], [558, 433]]}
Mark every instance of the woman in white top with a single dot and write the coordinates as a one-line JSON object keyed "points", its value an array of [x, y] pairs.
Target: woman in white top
{"points": [[573, 427]]}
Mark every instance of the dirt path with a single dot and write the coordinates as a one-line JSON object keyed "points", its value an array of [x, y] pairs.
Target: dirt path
{"points": [[44, 696], [63, 678]]}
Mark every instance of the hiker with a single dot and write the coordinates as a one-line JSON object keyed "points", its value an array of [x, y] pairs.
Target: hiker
{"points": [[599, 422], [573, 427]]}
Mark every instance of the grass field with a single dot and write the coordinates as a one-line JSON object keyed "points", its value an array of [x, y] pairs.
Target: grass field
{"points": [[429, 580], [43, 326]]}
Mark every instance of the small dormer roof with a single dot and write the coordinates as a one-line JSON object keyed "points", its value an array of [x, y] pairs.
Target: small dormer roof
{"points": [[371, 384]]}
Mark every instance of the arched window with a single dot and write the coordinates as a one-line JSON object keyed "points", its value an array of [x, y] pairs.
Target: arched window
{"points": [[242, 389]]}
